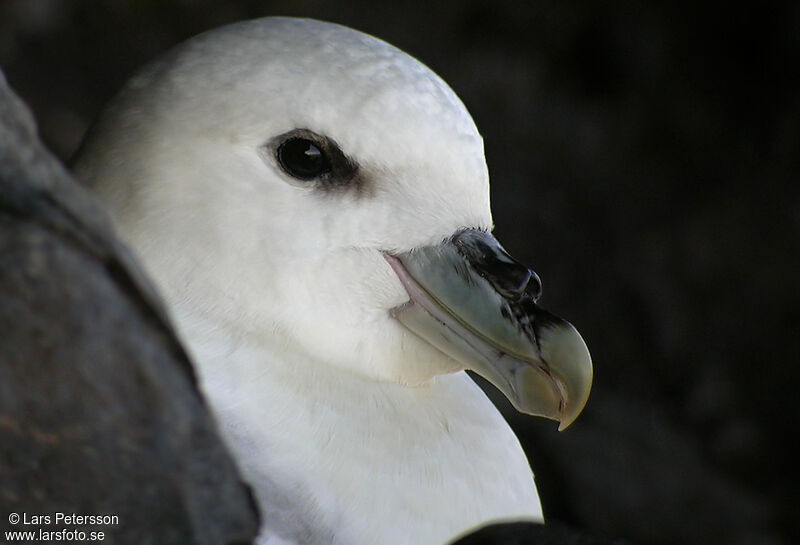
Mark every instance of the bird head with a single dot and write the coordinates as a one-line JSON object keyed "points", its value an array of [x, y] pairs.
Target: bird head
{"points": [[321, 192]]}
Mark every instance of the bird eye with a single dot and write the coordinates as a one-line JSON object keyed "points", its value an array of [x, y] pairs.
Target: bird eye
{"points": [[303, 159]]}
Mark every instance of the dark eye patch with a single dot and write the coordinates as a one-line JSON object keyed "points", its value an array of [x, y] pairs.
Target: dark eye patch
{"points": [[315, 159]]}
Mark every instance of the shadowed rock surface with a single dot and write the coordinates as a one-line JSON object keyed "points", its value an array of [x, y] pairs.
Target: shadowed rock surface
{"points": [[99, 409], [529, 533]]}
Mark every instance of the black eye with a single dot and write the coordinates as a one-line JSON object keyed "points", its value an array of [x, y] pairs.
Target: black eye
{"points": [[303, 159], [315, 159]]}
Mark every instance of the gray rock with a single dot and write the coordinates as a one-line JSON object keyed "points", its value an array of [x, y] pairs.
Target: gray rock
{"points": [[530, 533], [100, 413]]}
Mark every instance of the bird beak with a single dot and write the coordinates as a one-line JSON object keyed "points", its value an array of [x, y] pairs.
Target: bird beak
{"points": [[475, 303]]}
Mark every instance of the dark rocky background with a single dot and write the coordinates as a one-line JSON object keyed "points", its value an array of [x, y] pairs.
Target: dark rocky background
{"points": [[644, 161]]}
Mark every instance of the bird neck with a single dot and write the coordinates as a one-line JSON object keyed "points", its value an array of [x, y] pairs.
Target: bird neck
{"points": [[300, 430]]}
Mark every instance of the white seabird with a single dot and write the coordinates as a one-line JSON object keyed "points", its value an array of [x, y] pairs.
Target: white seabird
{"points": [[314, 205]]}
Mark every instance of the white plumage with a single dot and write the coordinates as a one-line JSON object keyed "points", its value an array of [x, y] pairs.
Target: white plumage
{"points": [[351, 429]]}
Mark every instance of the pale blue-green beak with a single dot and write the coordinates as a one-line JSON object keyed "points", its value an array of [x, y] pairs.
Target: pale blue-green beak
{"points": [[475, 303]]}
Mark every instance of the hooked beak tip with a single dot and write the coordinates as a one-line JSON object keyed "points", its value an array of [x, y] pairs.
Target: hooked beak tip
{"points": [[569, 361]]}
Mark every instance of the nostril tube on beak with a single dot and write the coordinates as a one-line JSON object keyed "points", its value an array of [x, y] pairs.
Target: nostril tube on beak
{"points": [[534, 287], [508, 276]]}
